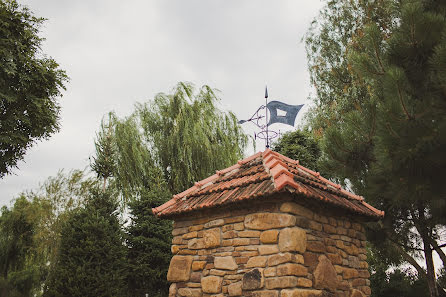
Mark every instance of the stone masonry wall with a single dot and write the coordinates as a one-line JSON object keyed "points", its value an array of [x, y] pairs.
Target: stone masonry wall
{"points": [[281, 249]]}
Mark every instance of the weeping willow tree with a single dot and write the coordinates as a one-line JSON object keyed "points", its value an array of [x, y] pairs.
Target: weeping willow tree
{"points": [[183, 136], [161, 149], [189, 135]]}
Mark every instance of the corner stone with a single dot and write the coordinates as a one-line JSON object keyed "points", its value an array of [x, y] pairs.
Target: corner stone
{"points": [[296, 209], [293, 240], [188, 292], [179, 269], [356, 293]]}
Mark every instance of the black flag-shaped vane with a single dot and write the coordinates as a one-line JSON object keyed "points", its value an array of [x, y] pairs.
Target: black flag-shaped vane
{"points": [[290, 112]]}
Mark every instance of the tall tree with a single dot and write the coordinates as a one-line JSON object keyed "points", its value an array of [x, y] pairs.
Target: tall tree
{"points": [[148, 242], [388, 139], [189, 136], [30, 230], [300, 145], [30, 84], [19, 275], [161, 149], [92, 258]]}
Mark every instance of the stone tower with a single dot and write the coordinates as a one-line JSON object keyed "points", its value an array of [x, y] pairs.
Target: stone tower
{"points": [[268, 227]]}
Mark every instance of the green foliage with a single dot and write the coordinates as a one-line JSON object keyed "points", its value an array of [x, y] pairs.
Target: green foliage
{"points": [[189, 136], [148, 242], [388, 281], [380, 110], [29, 85], [104, 162], [19, 273], [30, 231], [91, 259], [300, 145], [162, 149]]}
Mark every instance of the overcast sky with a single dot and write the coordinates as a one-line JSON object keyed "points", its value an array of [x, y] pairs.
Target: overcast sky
{"points": [[117, 53]]}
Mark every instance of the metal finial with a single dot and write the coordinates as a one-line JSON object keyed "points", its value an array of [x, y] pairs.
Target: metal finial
{"points": [[266, 92]]}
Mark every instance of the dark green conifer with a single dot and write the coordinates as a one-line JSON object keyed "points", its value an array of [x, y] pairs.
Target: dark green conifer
{"points": [[148, 241], [92, 257]]}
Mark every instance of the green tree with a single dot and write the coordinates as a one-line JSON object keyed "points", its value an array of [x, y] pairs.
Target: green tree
{"points": [[189, 136], [30, 230], [300, 145], [92, 258], [148, 242], [19, 273], [161, 149], [30, 84], [384, 127], [104, 162]]}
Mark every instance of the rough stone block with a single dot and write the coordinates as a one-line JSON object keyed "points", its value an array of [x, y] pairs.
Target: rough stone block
{"points": [[249, 233], [335, 258], [235, 289], [291, 269], [266, 293], [198, 265], [304, 282], [226, 263], [292, 239], [239, 226], [179, 269], [315, 226], [325, 276], [189, 292], [330, 229], [301, 293], [212, 238], [268, 249], [270, 271], [281, 282], [316, 246], [179, 231], [269, 236], [190, 235], [267, 220], [296, 209], [196, 244], [195, 277], [280, 259], [211, 284], [356, 293], [310, 260], [259, 261], [173, 290], [349, 273], [253, 279], [175, 249], [214, 223]]}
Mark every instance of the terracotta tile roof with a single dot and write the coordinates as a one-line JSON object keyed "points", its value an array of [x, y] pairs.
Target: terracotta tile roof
{"points": [[260, 175]]}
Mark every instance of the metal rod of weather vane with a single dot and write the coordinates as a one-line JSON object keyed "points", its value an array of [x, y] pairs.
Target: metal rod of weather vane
{"points": [[266, 116]]}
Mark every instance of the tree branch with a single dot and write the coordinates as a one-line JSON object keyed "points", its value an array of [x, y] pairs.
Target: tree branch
{"points": [[410, 260], [400, 96], [439, 251]]}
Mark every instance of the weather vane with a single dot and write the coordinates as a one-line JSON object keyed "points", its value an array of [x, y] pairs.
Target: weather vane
{"points": [[273, 107]]}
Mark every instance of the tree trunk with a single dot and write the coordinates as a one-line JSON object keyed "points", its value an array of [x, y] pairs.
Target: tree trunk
{"points": [[439, 251], [430, 269]]}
